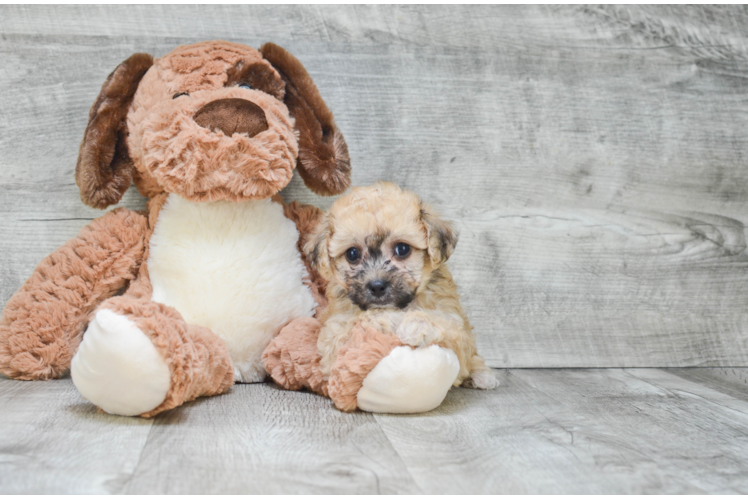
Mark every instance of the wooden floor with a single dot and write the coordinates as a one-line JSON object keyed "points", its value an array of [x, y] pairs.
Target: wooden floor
{"points": [[542, 431]]}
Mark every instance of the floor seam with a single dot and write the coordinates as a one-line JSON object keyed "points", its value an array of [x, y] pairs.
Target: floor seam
{"points": [[126, 484], [394, 448]]}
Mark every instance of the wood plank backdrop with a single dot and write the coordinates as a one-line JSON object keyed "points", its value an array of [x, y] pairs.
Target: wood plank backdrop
{"points": [[594, 158]]}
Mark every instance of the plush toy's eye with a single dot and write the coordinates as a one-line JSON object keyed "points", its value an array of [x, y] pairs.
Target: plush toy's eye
{"points": [[352, 255], [245, 86], [402, 250], [180, 94]]}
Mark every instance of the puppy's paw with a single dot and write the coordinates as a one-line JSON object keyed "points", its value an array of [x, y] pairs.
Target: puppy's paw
{"points": [[481, 380], [417, 330]]}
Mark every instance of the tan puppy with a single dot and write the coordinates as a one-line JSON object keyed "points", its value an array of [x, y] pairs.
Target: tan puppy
{"points": [[384, 254]]}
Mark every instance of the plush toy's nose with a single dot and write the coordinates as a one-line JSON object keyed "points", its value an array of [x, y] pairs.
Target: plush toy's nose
{"points": [[232, 116]]}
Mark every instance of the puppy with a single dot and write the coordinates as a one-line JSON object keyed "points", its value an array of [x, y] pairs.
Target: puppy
{"points": [[384, 254]]}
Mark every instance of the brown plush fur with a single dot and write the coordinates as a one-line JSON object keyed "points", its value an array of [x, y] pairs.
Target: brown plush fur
{"points": [[172, 152], [200, 165], [292, 359], [306, 218], [168, 142], [42, 324], [324, 163], [259, 76], [356, 358], [141, 288], [104, 169], [198, 360]]}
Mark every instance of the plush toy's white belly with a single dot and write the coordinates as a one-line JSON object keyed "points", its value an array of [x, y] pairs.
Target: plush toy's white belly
{"points": [[233, 268]]}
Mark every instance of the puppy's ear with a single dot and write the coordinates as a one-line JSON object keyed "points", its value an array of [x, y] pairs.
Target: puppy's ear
{"points": [[315, 247], [323, 160], [104, 169], [442, 236]]}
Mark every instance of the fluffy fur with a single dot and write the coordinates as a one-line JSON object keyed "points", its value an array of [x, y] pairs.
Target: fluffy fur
{"points": [[421, 305], [292, 359], [213, 244], [198, 360], [171, 152], [306, 218], [42, 324], [258, 75], [356, 359], [126, 389], [202, 165], [233, 268], [324, 163], [104, 168]]}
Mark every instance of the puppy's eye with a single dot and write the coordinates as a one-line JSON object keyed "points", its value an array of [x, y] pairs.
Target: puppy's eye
{"points": [[180, 94], [402, 250], [245, 86], [352, 255]]}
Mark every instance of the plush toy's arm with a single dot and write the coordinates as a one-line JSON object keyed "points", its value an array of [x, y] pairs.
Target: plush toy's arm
{"points": [[293, 360], [373, 371], [356, 359], [42, 324]]}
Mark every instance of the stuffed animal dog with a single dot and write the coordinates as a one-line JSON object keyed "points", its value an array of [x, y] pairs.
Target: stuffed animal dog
{"points": [[209, 132], [383, 252]]}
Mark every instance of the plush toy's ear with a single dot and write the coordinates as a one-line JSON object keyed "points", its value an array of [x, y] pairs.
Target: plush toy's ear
{"points": [[315, 247], [323, 154], [442, 237], [104, 169]]}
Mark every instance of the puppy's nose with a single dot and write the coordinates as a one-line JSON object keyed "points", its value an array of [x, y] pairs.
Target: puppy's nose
{"points": [[377, 287], [232, 116]]}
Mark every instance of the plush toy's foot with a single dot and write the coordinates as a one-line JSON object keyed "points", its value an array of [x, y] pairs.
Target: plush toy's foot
{"points": [[138, 357], [376, 373], [118, 368], [409, 380]]}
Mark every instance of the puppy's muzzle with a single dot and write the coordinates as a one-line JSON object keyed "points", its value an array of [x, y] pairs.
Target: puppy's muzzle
{"points": [[232, 116]]}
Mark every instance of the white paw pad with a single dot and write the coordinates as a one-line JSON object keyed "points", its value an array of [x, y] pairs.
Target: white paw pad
{"points": [[409, 380], [118, 368]]}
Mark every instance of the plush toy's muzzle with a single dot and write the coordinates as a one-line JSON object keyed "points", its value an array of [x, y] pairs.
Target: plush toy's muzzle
{"points": [[229, 143]]}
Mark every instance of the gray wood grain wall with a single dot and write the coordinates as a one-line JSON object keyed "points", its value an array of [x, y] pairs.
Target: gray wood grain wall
{"points": [[594, 158]]}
